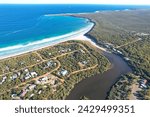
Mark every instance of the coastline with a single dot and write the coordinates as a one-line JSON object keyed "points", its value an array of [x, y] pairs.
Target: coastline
{"points": [[115, 61], [12, 51], [78, 38], [21, 49], [82, 34]]}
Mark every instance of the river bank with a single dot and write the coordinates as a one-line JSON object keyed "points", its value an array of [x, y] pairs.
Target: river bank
{"points": [[98, 86]]}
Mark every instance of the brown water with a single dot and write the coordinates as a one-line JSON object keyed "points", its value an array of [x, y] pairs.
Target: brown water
{"points": [[97, 87]]}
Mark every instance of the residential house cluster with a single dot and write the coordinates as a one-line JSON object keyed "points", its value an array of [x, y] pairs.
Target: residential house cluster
{"points": [[50, 64], [49, 79], [24, 91], [62, 72], [29, 74], [64, 50]]}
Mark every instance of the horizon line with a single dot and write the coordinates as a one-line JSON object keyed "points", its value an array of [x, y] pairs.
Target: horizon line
{"points": [[69, 4]]}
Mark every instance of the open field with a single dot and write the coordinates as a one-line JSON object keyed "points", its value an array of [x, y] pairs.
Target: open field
{"points": [[49, 73]]}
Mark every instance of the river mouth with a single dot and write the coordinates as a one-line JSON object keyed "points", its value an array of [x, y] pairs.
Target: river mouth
{"points": [[98, 86]]}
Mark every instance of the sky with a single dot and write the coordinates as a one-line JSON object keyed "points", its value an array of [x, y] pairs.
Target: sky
{"points": [[136, 2]]}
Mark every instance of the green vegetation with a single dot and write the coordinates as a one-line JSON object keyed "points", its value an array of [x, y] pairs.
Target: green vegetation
{"points": [[130, 87], [19, 62], [124, 27], [126, 33], [117, 27], [122, 89], [139, 55], [49, 73]]}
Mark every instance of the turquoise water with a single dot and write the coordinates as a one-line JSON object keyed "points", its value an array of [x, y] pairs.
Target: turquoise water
{"points": [[43, 27], [27, 27]]}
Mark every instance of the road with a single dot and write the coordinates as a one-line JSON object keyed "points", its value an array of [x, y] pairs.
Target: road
{"points": [[98, 86], [129, 43]]}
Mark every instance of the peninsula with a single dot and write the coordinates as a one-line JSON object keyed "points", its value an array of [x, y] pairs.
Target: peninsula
{"points": [[109, 60]]}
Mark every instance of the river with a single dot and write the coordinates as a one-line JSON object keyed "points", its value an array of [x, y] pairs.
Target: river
{"points": [[98, 86]]}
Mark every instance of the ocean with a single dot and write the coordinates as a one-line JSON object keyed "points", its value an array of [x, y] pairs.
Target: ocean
{"points": [[28, 27]]}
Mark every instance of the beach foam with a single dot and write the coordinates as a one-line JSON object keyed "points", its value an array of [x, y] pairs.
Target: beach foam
{"points": [[20, 49]]}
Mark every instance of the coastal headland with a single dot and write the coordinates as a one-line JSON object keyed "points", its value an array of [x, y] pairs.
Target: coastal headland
{"points": [[125, 33], [57, 71]]}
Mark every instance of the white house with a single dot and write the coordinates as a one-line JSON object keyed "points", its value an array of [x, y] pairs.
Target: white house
{"points": [[31, 87], [64, 72], [33, 74], [14, 76], [26, 70]]}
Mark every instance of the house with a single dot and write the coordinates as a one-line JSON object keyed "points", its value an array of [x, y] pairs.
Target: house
{"points": [[31, 87], [50, 63], [14, 77], [64, 72], [18, 73], [44, 78], [38, 60], [33, 74], [49, 54], [23, 93], [143, 83], [22, 63], [27, 76], [40, 91], [140, 39], [142, 34], [143, 86], [26, 70], [38, 82], [69, 49], [3, 80], [127, 59], [5, 77], [82, 51], [119, 52], [31, 95], [84, 62], [15, 96], [114, 49], [55, 64]]}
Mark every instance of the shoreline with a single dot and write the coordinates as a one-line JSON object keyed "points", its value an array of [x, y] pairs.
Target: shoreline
{"points": [[77, 38], [20, 50], [116, 63], [100, 84], [13, 51]]}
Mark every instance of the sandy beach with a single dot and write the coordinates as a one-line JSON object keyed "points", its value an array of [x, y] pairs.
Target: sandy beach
{"points": [[19, 50], [78, 37]]}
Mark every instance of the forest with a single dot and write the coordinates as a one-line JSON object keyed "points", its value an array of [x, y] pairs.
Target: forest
{"points": [[129, 33]]}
